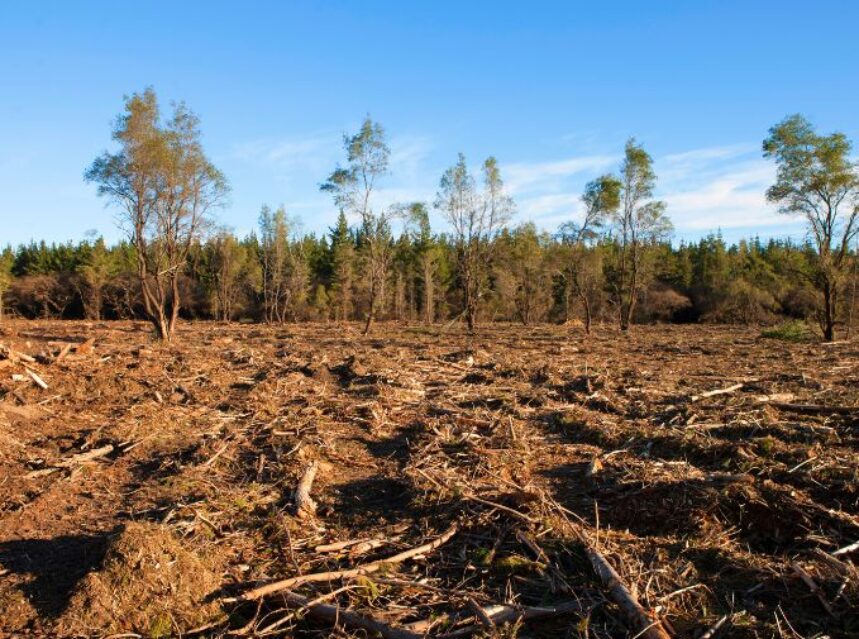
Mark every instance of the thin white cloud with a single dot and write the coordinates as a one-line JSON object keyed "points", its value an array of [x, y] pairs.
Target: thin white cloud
{"points": [[687, 158], [717, 188], [408, 156], [313, 153], [523, 177], [709, 188], [705, 189]]}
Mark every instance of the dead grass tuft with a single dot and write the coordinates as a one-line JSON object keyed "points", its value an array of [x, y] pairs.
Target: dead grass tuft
{"points": [[149, 584]]}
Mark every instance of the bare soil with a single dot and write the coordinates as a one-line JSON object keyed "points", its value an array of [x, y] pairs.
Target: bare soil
{"points": [[707, 507]]}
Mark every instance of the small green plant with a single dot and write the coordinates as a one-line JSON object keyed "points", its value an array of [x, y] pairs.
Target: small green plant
{"points": [[369, 590], [792, 331], [767, 445], [161, 626], [483, 557], [516, 565]]}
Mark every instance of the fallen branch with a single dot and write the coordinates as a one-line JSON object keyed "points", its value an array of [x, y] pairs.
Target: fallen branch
{"points": [[36, 379], [502, 613], [16, 356], [718, 391], [304, 504], [817, 409], [846, 550], [65, 350], [351, 544], [214, 457], [496, 505], [337, 616], [81, 458], [842, 567], [558, 582], [649, 626], [775, 397], [366, 569], [712, 630], [808, 580], [74, 460]]}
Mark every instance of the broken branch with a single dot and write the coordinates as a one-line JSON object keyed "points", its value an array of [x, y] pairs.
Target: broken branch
{"points": [[650, 627], [284, 584]]}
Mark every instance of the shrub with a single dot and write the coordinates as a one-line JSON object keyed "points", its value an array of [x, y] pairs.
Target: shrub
{"points": [[793, 331]]}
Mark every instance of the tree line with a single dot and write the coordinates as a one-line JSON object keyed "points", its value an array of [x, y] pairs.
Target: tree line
{"points": [[275, 275], [614, 264]]}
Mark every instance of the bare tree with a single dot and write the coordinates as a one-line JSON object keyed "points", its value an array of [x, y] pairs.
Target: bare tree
{"points": [[165, 187], [367, 156], [274, 247], [476, 217], [640, 222], [584, 269]]}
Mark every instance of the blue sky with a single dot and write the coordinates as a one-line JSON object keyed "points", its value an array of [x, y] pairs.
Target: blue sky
{"points": [[552, 89]]}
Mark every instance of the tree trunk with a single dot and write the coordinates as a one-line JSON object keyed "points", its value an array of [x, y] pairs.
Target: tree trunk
{"points": [[587, 304], [567, 291], [828, 311], [628, 313], [470, 320], [371, 312], [175, 303], [162, 330], [850, 311], [429, 311]]}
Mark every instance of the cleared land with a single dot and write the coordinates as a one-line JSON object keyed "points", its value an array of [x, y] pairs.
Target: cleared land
{"points": [[150, 489]]}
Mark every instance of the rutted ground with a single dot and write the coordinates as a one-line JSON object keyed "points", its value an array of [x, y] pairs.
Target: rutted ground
{"points": [[537, 443]]}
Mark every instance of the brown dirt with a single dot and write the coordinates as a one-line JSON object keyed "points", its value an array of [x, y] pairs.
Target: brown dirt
{"points": [[702, 507]]}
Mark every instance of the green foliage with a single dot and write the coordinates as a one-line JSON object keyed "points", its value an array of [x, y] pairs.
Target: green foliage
{"points": [[532, 275], [792, 331], [817, 178], [516, 565], [164, 188]]}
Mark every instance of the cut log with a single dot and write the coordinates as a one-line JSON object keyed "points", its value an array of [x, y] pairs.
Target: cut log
{"points": [[65, 350], [304, 504], [38, 381], [645, 624], [775, 397], [366, 569], [16, 356]]}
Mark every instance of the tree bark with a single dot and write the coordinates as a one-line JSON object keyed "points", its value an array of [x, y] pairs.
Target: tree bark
{"points": [[828, 311]]}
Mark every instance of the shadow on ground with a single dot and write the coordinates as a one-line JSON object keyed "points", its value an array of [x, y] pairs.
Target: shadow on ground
{"points": [[54, 566]]}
